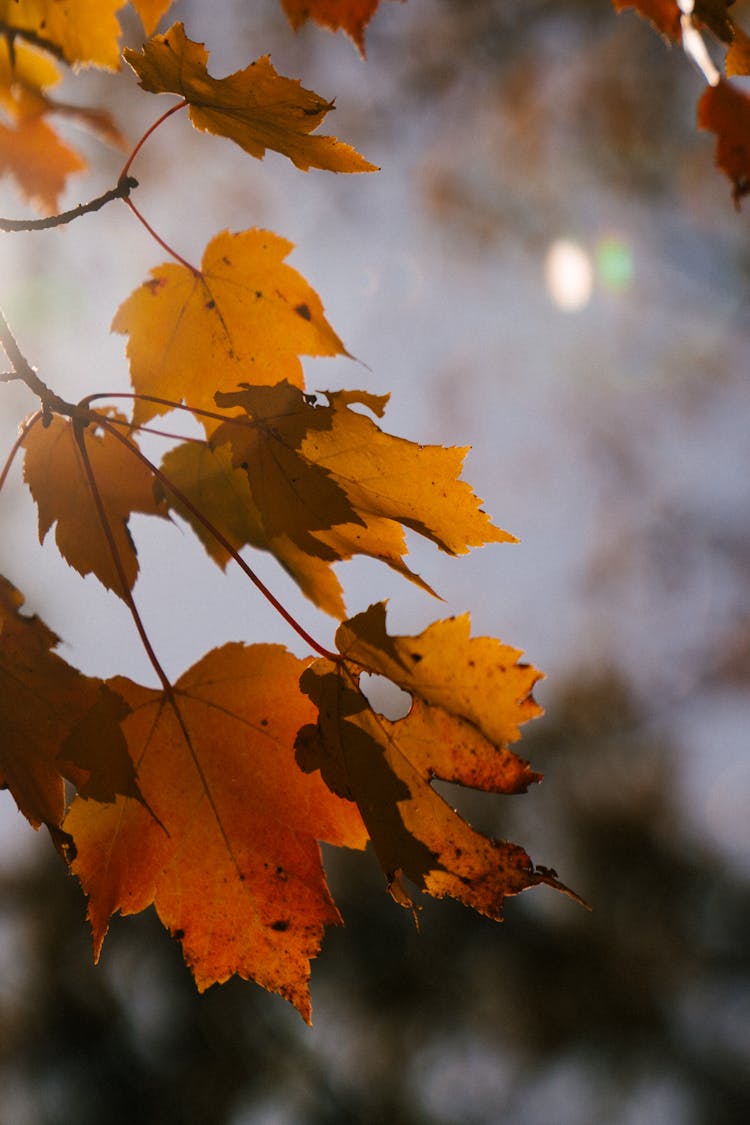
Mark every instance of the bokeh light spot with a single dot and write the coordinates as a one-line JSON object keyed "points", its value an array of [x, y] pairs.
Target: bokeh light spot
{"points": [[569, 275]]}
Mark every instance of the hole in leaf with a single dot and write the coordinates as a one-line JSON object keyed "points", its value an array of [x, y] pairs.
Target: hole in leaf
{"points": [[384, 696]]}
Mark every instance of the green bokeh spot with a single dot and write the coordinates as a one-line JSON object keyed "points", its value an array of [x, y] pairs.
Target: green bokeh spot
{"points": [[614, 264]]}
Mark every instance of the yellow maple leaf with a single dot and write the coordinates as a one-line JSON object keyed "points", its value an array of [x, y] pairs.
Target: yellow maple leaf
{"points": [[210, 483], [151, 12], [245, 318], [255, 107], [83, 32], [233, 864], [331, 480], [469, 696], [24, 77]]}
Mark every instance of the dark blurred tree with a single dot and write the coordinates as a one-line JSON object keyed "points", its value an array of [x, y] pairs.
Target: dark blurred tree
{"points": [[642, 999]]}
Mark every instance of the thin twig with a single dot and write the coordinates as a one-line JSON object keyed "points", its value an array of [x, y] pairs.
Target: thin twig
{"points": [[122, 191], [11, 33], [25, 373]]}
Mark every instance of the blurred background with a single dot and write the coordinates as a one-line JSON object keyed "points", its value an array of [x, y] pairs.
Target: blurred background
{"points": [[548, 268]]}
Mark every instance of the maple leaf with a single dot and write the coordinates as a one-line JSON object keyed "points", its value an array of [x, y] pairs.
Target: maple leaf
{"points": [[30, 149], [663, 14], [55, 471], [725, 111], [737, 61], [246, 317], [49, 712], [84, 32], [151, 12], [233, 868], [334, 483], [207, 478], [352, 16], [23, 78], [40, 163], [255, 107], [469, 697]]}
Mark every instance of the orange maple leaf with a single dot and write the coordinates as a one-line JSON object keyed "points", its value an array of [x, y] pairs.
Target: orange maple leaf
{"points": [[40, 163], [255, 107], [468, 698], [56, 722], [56, 473], [352, 16], [30, 149], [233, 868], [724, 110], [151, 12], [246, 317]]}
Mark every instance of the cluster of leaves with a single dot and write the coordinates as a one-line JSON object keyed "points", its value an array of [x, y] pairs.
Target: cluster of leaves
{"points": [[208, 797], [723, 108]]}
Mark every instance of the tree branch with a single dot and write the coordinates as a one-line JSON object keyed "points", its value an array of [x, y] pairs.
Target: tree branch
{"points": [[23, 371], [124, 187]]}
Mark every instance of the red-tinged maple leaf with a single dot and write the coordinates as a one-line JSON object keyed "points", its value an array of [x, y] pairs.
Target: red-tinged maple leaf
{"points": [[233, 864], [56, 723], [55, 471], [351, 16], [469, 697], [663, 14], [725, 110], [84, 32], [246, 317], [255, 107]]}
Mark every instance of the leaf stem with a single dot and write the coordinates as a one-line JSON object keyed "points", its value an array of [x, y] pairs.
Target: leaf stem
{"points": [[79, 432], [164, 245], [163, 479], [27, 425], [122, 190], [147, 134]]}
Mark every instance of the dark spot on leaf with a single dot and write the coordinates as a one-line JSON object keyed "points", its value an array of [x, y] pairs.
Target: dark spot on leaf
{"points": [[178, 934], [211, 304], [416, 657], [303, 311], [281, 926], [264, 722], [258, 294]]}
